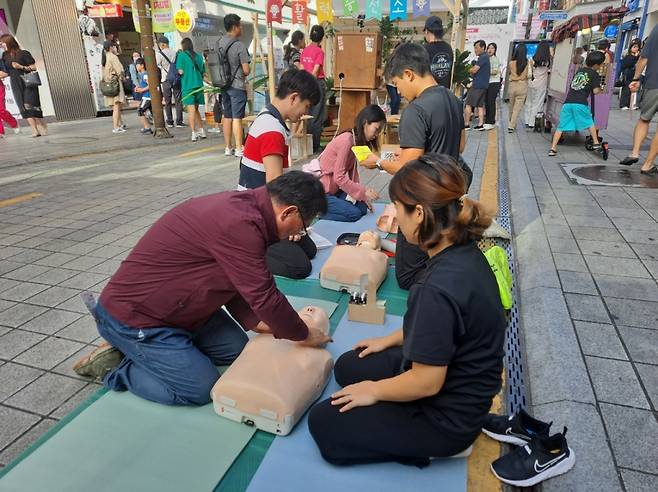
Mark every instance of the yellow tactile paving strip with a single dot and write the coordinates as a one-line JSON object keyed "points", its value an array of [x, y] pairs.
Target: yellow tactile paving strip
{"points": [[486, 450]]}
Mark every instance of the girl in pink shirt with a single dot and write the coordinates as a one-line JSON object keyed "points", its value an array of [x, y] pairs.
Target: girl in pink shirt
{"points": [[348, 200], [312, 60]]}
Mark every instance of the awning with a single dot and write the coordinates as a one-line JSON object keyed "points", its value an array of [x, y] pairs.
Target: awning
{"points": [[570, 28]]}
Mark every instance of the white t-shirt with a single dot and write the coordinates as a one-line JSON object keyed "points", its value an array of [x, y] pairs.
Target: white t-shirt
{"points": [[495, 69]]}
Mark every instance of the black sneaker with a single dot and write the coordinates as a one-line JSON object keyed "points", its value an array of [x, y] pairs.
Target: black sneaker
{"points": [[517, 429], [541, 459], [479, 128]]}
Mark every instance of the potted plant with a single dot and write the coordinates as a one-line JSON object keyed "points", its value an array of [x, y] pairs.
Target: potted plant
{"points": [[329, 90]]}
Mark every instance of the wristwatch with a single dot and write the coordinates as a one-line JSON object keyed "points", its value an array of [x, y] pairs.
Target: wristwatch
{"points": [[635, 80], [378, 164]]}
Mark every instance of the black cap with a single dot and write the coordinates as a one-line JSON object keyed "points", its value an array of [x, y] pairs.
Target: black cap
{"points": [[163, 40], [433, 24]]}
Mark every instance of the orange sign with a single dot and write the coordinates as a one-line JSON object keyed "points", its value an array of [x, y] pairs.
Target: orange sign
{"points": [[183, 21], [111, 10]]}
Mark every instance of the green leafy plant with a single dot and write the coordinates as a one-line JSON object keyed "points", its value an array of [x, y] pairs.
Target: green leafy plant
{"points": [[257, 80], [462, 75], [392, 35], [329, 87]]}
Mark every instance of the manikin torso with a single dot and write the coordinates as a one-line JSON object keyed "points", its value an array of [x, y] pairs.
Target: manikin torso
{"points": [[273, 382]]}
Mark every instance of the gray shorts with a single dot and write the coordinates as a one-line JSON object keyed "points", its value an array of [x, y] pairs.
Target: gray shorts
{"points": [[476, 98], [234, 102], [649, 104]]}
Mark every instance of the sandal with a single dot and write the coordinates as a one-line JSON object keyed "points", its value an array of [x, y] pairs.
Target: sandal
{"points": [[653, 170], [629, 160], [552, 153], [387, 221]]}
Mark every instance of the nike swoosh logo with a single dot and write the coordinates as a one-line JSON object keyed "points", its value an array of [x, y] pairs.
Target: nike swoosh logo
{"points": [[509, 432], [539, 468]]}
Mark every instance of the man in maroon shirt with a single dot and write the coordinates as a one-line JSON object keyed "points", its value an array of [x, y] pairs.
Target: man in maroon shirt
{"points": [[161, 311]]}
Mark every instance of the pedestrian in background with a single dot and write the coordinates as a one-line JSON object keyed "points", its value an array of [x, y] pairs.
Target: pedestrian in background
{"points": [[440, 52], [312, 60], [171, 94], [234, 99], [134, 77], [517, 78], [5, 116], [293, 50], [112, 68], [477, 94], [493, 89], [540, 66], [19, 63], [627, 71], [191, 68], [143, 90]]}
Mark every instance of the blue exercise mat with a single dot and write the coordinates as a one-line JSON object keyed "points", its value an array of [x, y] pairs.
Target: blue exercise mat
{"points": [[294, 462], [330, 230]]}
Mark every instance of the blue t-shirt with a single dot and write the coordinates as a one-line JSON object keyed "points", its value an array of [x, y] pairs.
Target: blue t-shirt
{"points": [[144, 82], [481, 78]]}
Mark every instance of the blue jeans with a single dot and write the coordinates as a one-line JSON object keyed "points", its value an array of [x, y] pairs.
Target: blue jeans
{"points": [[394, 97], [340, 210], [171, 365]]}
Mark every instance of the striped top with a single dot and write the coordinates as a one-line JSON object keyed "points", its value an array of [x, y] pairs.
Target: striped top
{"points": [[268, 135]]}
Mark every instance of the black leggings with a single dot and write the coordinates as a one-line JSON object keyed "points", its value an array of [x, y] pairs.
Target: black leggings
{"points": [[490, 106], [290, 259], [386, 431]]}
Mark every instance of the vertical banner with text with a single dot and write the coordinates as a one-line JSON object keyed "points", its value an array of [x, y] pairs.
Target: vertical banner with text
{"points": [[350, 7], [299, 12], [398, 9], [163, 16], [274, 11], [421, 8], [374, 9], [325, 12]]}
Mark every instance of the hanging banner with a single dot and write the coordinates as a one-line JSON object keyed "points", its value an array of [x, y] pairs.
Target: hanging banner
{"points": [[274, 11], [421, 8], [398, 9], [299, 12], [163, 16], [183, 21], [350, 7], [374, 9], [135, 16], [325, 13]]}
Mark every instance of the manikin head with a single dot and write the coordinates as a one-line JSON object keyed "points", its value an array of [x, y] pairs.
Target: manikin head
{"points": [[297, 199], [370, 239], [315, 318]]}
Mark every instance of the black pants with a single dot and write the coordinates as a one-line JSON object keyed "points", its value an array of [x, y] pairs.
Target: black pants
{"points": [[290, 259], [410, 260], [319, 113], [386, 431], [490, 104], [172, 97], [625, 97]]}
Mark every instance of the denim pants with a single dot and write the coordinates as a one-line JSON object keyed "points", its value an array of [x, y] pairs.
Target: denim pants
{"points": [[171, 365], [340, 210]]}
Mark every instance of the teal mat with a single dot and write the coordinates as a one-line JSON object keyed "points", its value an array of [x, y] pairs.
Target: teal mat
{"points": [[122, 442]]}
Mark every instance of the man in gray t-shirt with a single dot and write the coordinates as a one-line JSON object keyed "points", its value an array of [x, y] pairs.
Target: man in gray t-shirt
{"points": [[648, 105], [164, 57], [234, 99]]}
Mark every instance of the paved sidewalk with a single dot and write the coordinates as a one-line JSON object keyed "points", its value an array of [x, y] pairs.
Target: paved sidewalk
{"points": [[587, 261], [82, 137]]}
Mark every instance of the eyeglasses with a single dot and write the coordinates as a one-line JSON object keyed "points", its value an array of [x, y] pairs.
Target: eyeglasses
{"points": [[304, 231]]}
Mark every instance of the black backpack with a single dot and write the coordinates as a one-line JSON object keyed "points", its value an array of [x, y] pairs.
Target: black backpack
{"points": [[220, 68]]}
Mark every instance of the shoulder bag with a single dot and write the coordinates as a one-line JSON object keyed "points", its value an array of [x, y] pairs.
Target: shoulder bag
{"points": [[31, 79], [110, 88]]}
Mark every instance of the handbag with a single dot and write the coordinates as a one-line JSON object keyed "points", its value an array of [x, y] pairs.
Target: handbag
{"points": [[110, 88], [31, 79]]}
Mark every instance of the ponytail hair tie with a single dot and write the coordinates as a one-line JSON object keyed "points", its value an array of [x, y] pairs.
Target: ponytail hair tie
{"points": [[462, 198]]}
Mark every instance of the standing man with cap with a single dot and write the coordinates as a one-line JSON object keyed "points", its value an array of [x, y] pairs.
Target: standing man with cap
{"points": [[171, 95], [440, 52]]}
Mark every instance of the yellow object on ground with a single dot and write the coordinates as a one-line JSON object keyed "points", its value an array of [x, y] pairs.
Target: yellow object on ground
{"points": [[19, 199], [500, 266]]}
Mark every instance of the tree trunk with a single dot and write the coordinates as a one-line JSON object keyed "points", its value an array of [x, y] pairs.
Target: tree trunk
{"points": [[529, 24], [146, 37]]}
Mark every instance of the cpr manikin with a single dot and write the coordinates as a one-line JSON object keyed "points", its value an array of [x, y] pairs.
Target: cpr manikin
{"points": [[347, 264], [273, 382]]}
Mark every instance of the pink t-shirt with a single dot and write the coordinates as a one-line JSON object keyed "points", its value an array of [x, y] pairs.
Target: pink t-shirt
{"points": [[313, 55]]}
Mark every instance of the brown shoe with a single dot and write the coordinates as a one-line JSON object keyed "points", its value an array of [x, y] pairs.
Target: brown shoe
{"points": [[98, 363]]}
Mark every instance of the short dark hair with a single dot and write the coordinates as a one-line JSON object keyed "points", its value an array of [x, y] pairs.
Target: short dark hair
{"points": [[231, 21], [594, 58], [603, 43], [302, 190], [301, 82], [481, 44], [408, 56], [317, 34], [140, 61]]}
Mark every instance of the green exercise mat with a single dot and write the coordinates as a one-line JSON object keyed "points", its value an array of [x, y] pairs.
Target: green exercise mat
{"points": [[299, 302], [122, 442]]}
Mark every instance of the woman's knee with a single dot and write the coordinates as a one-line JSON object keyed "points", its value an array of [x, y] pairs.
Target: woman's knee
{"points": [[345, 368]]}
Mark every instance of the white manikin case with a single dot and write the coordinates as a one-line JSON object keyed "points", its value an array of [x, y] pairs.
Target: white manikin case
{"points": [[272, 383], [343, 269]]}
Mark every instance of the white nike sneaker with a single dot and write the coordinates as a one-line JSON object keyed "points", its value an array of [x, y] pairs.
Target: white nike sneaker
{"points": [[195, 137]]}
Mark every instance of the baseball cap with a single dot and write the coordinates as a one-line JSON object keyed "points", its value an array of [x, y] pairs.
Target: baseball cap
{"points": [[163, 40], [433, 23]]}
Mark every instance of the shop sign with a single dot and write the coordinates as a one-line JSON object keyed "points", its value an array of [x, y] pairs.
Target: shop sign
{"points": [[163, 17], [184, 21], [553, 15], [111, 10], [610, 32]]}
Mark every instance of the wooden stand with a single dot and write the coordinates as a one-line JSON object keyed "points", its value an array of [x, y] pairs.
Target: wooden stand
{"points": [[373, 311], [351, 103]]}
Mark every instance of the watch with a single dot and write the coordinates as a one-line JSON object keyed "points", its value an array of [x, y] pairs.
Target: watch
{"points": [[635, 80], [378, 164]]}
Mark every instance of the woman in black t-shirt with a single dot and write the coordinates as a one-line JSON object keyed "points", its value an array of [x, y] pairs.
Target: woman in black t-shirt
{"points": [[424, 391], [20, 62]]}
